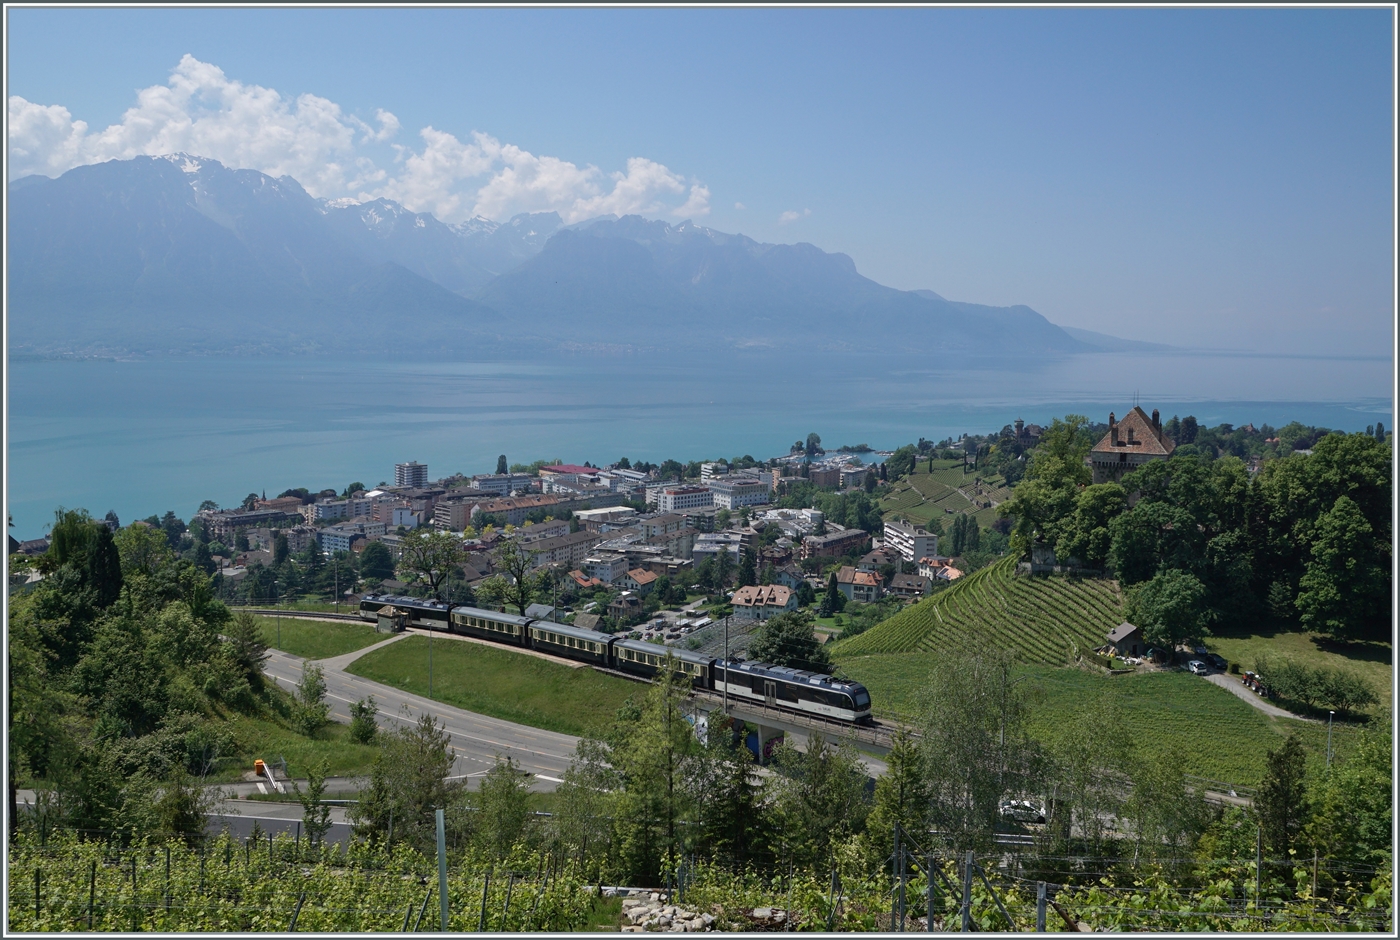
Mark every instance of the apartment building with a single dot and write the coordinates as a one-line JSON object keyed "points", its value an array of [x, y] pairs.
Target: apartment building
{"points": [[835, 543], [733, 492], [513, 509], [910, 541], [504, 484], [567, 550], [680, 498], [606, 567], [412, 473]]}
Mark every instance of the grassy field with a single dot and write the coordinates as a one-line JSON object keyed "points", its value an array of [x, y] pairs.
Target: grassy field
{"points": [[1372, 660], [268, 739], [1220, 736], [922, 496], [316, 639], [1041, 619], [501, 683]]}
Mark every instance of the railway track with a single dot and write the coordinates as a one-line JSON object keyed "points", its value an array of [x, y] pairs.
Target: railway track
{"points": [[302, 614]]}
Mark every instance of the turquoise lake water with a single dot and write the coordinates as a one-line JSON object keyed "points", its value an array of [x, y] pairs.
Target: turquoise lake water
{"points": [[149, 436]]}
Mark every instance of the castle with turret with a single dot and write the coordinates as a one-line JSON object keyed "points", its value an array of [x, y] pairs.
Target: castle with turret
{"points": [[1129, 444]]}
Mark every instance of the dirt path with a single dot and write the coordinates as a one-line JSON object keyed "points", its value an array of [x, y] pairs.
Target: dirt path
{"points": [[1233, 684]]}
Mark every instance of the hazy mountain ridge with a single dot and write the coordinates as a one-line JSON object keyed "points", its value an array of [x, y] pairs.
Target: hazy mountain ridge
{"points": [[179, 253]]}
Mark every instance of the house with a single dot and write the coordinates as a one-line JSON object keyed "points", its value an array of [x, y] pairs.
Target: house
{"points": [[1129, 444], [873, 560], [540, 612], [857, 585], [606, 567], [937, 566], [789, 576], [1126, 640], [639, 580], [625, 605], [583, 580], [761, 601], [587, 621], [910, 585]]}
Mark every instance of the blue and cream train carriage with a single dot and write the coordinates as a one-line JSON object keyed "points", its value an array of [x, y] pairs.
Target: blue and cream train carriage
{"points": [[755, 683]]}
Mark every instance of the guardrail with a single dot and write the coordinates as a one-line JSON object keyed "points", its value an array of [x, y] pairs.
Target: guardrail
{"points": [[302, 614]]}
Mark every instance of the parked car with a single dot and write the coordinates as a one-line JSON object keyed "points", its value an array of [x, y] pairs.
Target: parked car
{"points": [[1198, 668], [1201, 651], [1022, 811], [1218, 661]]}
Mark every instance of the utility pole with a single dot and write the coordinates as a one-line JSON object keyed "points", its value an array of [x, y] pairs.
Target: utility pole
{"points": [[442, 869], [897, 914], [967, 894]]}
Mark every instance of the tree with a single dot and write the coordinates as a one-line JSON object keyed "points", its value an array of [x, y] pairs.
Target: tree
{"points": [[113, 522], [818, 798], [431, 556], [1282, 801], [977, 749], [518, 583], [209, 506], [901, 796], [1085, 535], [280, 550], [249, 502], [728, 796], [203, 560], [311, 713], [1170, 608], [407, 783], [1187, 432], [787, 640], [501, 465], [363, 727], [814, 445], [746, 569], [501, 806], [315, 815], [376, 561], [869, 484], [833, 600], [1345, 588], [722, 518], [901, 462]]}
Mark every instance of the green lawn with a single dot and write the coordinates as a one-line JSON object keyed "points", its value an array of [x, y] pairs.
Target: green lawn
{"points": [[317, 639], [501, 683], [268, 739], [1220, 735], [1371, 660]]}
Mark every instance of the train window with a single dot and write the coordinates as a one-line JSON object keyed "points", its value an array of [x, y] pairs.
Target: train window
{"points": [[862, 699]]}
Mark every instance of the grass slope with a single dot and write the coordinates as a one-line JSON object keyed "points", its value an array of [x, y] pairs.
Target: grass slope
{"points": [[922, 496], [1041, 619], [269, 739], [500, 683], [316, 639], [1373, 661], [1218, 735]]}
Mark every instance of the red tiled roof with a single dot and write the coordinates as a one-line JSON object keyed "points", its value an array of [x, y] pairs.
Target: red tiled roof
{"points": [[762, 595], [569, 468], [1136, 435]]}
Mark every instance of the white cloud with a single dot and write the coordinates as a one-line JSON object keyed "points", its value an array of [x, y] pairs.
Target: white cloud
{"points": [[740, 205], [201, 111], [792, 216]]}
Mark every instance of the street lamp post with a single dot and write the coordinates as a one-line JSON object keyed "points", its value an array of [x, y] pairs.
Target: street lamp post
{"points": [[726, 665]]}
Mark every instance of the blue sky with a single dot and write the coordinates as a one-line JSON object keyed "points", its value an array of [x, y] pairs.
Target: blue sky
{"points": [[1192, 176]]}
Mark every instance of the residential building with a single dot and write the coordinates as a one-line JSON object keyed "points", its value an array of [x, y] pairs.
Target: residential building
{"points": [[412, 473], [854, 476], [607, 568], [1129, 444], [566, 473], [680, 498], [761, 601], [660, 525], [679, 543], [566, 550], [513, 509], [542, 530], [910, 585], [299, 537], [584, 582], [222, 524], [857, 585], [910, 541], [287, 504], [404, 516], [835, 543], [626, 606], [605, 520], [789, 576], [733, 492], [639, 580], [623, 481], [504, 484], [701, 518], [338, 538], [709, 471], [827, 476], [710, 544], [938, 568], [454, 515]]}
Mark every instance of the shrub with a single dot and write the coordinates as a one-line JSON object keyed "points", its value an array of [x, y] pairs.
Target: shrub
{"points": [[363, 727], [1234, 669]]}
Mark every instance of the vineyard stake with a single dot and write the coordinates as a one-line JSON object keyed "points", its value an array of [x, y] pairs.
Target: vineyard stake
{"points": [[407, 916], [442, 871], [423, 910], [92, 892], [1040, 908], [485, 886], [37, 876], [967, 894], [506, 910], [928, 900], [167, 878], [291, 928]]}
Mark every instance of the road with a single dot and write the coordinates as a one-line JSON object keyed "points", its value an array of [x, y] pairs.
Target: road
{"points": [[476, 739]]}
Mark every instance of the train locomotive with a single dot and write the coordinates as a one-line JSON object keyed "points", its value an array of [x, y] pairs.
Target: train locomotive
{"points": [[757, 683]]}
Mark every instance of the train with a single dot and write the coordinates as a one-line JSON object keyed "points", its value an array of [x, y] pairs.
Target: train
{"points": [[783, 687]]}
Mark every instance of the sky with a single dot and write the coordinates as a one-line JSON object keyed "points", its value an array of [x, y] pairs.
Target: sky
{"points": [[1199, 177]]}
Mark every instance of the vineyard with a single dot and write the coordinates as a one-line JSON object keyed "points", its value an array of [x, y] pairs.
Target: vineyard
{"points": [[280, 885], [922, 496], [1042, 620]]}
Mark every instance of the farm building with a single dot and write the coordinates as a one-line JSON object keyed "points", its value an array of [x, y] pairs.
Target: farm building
{"points": [[1126, 640]]}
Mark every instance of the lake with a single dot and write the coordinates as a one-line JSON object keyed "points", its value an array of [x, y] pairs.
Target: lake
{"points": [[143, 437]]}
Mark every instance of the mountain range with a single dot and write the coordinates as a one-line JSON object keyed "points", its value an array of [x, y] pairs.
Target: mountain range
{"points": [[180, 254]]}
